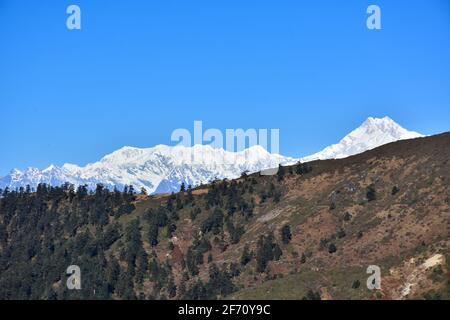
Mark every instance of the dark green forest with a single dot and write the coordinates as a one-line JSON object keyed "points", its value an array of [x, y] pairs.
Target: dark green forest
{"points": [[44, 231], [308, 232]]}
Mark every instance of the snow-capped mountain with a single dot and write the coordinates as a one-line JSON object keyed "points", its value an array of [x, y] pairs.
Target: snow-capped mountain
{"points": [[163, 169], [374, 132], [159, 169]]}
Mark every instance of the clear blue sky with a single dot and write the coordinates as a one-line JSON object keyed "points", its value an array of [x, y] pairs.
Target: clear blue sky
{"points": [[139, 69]]}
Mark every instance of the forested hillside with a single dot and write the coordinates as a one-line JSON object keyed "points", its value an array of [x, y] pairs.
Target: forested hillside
{"points": [[308, 232]]}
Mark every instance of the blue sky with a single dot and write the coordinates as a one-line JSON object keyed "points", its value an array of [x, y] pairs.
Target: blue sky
{"points": [[137, 70]]}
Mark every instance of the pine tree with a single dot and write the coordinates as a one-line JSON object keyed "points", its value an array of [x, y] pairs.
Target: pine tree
{"points": [[153, 232], [281, 172], [332, 248], [395, 190], [303, 259], [303, 168], [312, 295], [286, 235], [171, 289], [277, 253], [246, 256], [189, 197], [371, 193], [267, 251]]}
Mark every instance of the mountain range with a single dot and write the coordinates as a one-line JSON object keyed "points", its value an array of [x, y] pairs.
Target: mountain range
{"points": [[163, 169], [317, 231]]}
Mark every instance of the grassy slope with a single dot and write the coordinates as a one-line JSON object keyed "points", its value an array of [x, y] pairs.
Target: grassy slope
{"points": [[387, 232]]}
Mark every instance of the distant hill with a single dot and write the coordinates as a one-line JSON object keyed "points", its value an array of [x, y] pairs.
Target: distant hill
{"points": [[309, 232]]}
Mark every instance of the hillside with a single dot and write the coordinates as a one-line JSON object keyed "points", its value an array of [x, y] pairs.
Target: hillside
{"points": [[309, 232]]}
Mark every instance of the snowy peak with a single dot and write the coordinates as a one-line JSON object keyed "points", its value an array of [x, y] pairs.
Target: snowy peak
{"points": [[374, 132], [164, 168], [386, 126], [158, 169]]}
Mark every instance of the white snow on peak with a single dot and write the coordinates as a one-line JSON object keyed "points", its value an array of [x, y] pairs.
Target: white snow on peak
{"points": [[158, 169], [374, 132], [164, 168], [71, 167], [50, 168]]}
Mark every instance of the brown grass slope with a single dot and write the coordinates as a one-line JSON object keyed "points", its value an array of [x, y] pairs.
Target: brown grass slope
{"points": [[404, 231], [397, 232]]}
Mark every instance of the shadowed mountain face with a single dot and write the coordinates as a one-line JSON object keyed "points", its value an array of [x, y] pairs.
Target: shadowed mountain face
{"points": [[164, 169], [311, 231]]}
